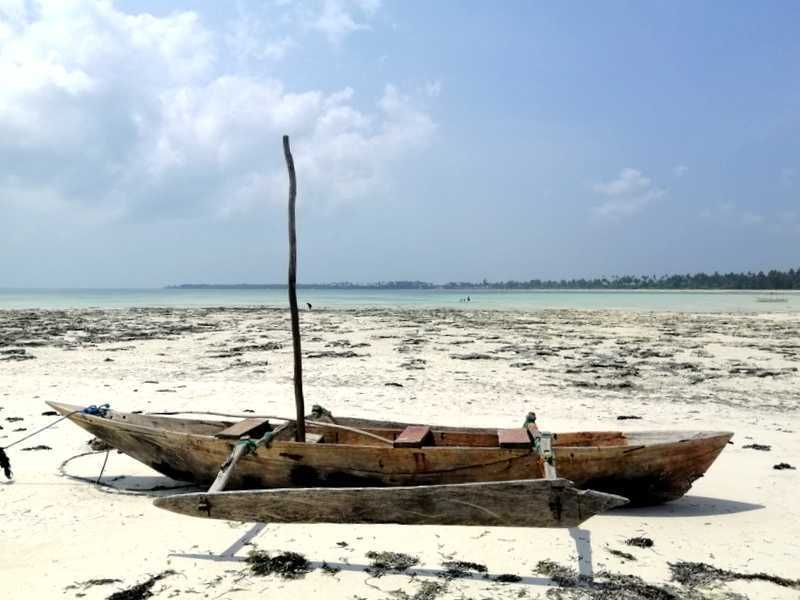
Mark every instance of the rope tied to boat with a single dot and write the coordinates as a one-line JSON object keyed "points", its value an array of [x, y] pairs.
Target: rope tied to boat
{"points": [[5, 463], [530, 419], [544, 455], [321, 413], [95, 411], [253, 445]]}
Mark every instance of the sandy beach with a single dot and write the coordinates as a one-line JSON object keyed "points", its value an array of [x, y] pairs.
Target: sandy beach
{"points": [[63, 536]]}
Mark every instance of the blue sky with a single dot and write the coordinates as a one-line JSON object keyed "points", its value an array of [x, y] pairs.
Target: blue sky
{"points": [[456, 140]]}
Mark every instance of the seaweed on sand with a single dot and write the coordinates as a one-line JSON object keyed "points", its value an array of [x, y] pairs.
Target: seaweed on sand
{"points": [[625, 555], [508, 578], [329, 570], [389, 562], [428, 590], [141, 590], [613, 586], [694, 574], [455, 569], [91, 583], [639, 542], [288, 565]]}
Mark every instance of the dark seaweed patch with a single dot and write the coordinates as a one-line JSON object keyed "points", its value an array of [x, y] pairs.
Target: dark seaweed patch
{"points": [[141, 590], [639, 542], [329, 570], [606, 586], [288, 565], [428, 590], [91, 583], [625, 555], [694, 574], [389, 562], [761, 447], [455, 569], [508, 578]]}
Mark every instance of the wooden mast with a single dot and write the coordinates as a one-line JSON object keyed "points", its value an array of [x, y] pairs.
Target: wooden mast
{"points": [[298, 366]]}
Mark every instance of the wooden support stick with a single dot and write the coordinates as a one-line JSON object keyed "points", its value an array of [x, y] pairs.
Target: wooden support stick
{"points": [[298, 357], [226, 470], [546, 442]]}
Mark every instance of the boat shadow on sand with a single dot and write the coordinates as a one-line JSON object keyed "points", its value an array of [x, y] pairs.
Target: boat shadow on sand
{"points": [[688, 506]]}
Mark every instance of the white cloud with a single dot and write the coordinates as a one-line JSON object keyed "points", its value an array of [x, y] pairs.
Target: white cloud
{"points": [[431, 89], [270, 31], [628, 194], [249, 38], [112, 115], [340, 18], [729, 213], [679, 171]]}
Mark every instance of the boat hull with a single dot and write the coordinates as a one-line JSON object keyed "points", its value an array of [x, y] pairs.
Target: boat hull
{"points": [[645, 467]]}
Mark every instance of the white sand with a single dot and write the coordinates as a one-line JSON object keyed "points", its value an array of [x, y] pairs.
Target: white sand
{"points": [[577, 370]]}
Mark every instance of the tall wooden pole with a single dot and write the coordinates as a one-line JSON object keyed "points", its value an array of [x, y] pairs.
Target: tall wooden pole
{"points": [[298, 357]]}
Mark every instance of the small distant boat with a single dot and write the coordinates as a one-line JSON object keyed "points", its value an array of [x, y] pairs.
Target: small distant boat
{"points": [[772, 297]]}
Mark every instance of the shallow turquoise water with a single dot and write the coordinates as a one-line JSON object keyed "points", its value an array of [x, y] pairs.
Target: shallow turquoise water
{"points": [[704, 302]]}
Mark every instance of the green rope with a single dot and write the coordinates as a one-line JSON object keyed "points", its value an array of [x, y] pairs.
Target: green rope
{"points": [[253, 445], [266, 439]]}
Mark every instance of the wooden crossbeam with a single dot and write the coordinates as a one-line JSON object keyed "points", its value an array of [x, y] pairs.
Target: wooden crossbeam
{"points": [[414, 436]]}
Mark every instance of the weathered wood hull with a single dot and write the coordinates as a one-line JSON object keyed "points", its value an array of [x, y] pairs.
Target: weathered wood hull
{"points": [[645, 467], [526, 503]]}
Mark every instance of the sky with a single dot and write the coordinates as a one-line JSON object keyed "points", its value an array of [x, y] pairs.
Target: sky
{"points": [[455, 140]]}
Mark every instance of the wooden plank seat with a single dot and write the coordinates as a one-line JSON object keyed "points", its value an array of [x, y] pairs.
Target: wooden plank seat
{"points": [[414, 436], [514, 438], [253, 428]]}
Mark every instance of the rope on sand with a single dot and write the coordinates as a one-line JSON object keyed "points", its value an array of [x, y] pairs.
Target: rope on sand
{"points": [[110, 488]]}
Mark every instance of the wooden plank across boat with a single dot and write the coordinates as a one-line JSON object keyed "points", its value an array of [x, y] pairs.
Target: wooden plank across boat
{"points": [[526, 503], [647, 467]]}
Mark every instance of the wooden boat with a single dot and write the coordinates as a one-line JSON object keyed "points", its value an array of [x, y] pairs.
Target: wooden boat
{"points": [[771, 297], [647, 467], [525, 503]]}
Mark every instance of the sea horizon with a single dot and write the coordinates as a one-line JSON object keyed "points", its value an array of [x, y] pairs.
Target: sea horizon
{"points": [[703, 301]]}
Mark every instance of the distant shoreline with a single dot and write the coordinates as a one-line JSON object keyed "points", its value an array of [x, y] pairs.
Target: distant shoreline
{"points": [[474, 288], [772, 281]]}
